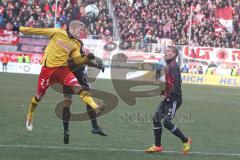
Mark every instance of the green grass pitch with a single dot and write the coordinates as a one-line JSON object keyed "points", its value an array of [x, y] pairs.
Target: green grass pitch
{"points": [[210, 115]]}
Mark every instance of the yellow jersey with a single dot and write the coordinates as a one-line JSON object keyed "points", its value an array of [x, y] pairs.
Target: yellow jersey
{"points": [[60, 48]]}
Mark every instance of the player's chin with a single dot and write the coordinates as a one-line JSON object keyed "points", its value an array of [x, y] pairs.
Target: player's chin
{"points": [[77, 37], [76, 34]]}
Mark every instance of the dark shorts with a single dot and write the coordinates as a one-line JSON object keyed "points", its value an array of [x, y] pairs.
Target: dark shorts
{"points": [[167, 108], [158, 71], [82, 80], [158, 74]]}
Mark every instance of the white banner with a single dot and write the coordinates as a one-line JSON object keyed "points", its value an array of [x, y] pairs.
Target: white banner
{"points": [[212, 54], [25, 68], [28, 68], [106, 50]]}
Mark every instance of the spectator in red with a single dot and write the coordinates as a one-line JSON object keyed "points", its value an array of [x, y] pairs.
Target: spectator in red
{"points": [[5, 61]]}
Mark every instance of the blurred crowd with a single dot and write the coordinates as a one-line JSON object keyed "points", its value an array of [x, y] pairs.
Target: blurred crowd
{"points": [[137, 20], [41, 13], [150, 20]]}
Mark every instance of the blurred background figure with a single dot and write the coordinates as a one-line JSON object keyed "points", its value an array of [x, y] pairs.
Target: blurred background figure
{"points": [[184, 69], [234, 71], [5, 61]]}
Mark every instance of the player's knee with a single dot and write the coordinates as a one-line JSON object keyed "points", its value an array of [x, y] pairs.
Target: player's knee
{"points": [[167, 122], [77, 89], [156, 123], [67, 100], [67, 97], [38, 98], [66, 113], [88, 107], [156, 120]]}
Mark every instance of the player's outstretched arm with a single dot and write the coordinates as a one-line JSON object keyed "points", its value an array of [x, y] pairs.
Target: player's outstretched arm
{"points": [[79, 60], [39, 31]]}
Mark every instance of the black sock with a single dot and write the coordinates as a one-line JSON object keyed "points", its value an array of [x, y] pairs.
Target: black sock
{"points": [[174, 129], [157, 131], [66, 117], [158, 136], [92, 114]]}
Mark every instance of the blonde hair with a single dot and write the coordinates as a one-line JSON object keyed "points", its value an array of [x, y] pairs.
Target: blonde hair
{"points": [[73, 25]]}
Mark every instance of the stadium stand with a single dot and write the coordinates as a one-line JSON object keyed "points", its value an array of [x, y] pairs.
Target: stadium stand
{"points": [[41, 14], [215, 23], [149, 20]]}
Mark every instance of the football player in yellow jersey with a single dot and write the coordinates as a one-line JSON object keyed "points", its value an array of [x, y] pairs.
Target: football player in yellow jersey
{"points": [[62, 46]]}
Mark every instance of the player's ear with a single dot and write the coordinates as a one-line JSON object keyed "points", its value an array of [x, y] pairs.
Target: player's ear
{"points": [[68, 32]]}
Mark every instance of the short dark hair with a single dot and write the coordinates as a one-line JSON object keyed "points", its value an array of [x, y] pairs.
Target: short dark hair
{"points": [[174, 49]]}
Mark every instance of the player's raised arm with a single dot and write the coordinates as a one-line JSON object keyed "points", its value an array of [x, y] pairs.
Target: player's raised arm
{"points": [[39, 31]]}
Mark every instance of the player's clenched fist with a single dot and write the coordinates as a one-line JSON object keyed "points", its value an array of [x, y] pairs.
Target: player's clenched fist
{"points": [[90, 56]]}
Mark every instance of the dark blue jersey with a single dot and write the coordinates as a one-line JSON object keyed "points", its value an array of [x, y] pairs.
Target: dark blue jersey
{"points": [[173, 80], [79, 71]]}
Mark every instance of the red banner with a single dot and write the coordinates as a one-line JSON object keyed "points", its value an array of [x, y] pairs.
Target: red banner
{"points": [[13, 56], [9, 39], [4, 31]]}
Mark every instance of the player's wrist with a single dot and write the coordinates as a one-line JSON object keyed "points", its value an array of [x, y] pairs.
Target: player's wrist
{"points": [[16, 28]]}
